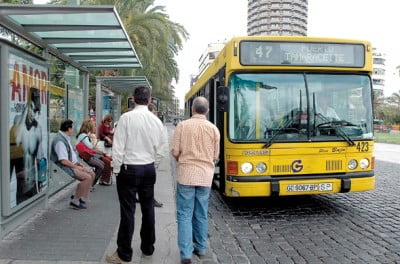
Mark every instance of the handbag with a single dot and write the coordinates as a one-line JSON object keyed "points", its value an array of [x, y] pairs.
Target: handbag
{"points": [[107, 144], [84, 151]]}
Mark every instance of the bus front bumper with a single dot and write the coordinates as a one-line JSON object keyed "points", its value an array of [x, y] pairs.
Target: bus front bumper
{"points": [[281, 185]]}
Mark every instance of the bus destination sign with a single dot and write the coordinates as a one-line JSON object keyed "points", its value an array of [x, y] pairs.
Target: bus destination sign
{"points": [[302, 54]]}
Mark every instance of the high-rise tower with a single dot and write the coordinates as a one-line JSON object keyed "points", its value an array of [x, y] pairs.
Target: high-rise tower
{"points": [[378, 74], [277, 17]]}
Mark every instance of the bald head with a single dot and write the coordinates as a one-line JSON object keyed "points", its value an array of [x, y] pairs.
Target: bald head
{"points": [[200, 105]]}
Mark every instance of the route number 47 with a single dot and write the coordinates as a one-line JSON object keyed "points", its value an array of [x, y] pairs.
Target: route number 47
{"points": [[263, 51]]}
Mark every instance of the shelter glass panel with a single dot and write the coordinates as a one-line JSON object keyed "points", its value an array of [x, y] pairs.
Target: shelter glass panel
{"points": [[75, 97], [19, 41], [96, 45], [83, 34], [58, 94], [67, 19]]}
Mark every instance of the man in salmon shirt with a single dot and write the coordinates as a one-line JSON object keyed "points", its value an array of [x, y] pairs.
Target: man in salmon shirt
{"points": [[195, 146]]}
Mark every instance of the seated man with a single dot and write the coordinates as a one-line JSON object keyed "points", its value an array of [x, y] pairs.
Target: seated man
{"points": [[324, 109], [64, 156]]}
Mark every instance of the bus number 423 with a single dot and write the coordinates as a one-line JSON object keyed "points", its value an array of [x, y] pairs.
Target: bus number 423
{"points": [[362, 146]]}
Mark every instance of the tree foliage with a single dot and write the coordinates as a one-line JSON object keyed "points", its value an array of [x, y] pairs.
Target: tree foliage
{"points": [[388, 109], [155, 38]]}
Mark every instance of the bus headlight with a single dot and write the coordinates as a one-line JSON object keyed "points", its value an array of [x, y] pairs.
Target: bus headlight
{"points": [[364, 163], [246, 167], [352, 164], [261, 167]]}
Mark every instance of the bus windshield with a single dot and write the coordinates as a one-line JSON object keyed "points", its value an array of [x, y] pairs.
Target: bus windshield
{"points": [[299, 107]]}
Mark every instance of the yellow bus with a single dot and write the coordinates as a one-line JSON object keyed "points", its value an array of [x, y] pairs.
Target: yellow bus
{"points": [[295, 115]]}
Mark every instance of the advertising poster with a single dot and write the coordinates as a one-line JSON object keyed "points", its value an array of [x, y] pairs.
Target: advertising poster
{"points": [[28, 84], [107, 105]]}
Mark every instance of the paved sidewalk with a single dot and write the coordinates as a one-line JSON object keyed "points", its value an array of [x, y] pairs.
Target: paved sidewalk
{"points": [[61, 235]]}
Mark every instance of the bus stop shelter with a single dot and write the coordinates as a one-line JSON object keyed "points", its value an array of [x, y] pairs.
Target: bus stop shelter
{"points": [[47, 53], [116, 85]]}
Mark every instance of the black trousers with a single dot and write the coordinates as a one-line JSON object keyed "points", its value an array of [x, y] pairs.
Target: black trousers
{"points": [[131, 180]]}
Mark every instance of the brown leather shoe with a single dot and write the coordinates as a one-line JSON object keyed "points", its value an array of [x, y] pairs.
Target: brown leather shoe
{"points": [[200, 255]]}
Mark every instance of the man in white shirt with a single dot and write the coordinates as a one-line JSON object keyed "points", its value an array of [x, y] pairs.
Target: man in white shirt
{"points": [[138, 146], [325, 110]]}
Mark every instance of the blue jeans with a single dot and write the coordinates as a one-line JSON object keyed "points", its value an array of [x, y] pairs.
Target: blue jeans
{"points": [[191, 212]]}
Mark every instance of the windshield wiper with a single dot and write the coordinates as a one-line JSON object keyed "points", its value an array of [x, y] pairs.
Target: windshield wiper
{"points": [[280, 131], [339, 123], [335, 126]]}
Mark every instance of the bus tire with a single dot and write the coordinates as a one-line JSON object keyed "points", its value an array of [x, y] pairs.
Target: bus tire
{"points": [[221, 186]]}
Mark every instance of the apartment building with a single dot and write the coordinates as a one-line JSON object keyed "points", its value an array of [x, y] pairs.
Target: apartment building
{"points": [[277, 17]]}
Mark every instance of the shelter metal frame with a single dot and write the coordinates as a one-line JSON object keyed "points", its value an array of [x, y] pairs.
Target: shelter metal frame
{"points": [[119, 85]]}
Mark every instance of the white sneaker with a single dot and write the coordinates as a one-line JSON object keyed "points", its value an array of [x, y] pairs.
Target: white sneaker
{"points": [[115, 259]]}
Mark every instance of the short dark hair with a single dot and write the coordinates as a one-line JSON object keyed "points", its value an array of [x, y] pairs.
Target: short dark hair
{"points": [[66, 124], [200, 105], [141, 95]]}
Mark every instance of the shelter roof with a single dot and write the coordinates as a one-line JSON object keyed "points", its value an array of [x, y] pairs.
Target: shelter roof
{"points": [[123, 84], [90, 36]]}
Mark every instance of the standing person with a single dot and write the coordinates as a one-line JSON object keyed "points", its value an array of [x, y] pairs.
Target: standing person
{"points": [[153, 109], [64, 156], [138, 146], [195, 146]]}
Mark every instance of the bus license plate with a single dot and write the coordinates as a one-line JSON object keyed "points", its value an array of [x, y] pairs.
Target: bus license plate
{"points": [[323, 187]]}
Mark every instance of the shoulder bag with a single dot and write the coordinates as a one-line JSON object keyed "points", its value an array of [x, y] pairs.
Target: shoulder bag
{"points": [[84, 151]]}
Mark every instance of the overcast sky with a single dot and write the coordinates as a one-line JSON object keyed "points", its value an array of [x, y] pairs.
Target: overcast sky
{"points": [[210, 21]]}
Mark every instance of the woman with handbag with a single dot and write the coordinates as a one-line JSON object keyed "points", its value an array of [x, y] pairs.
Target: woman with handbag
{"points": [[106, 179], [86, 151]]}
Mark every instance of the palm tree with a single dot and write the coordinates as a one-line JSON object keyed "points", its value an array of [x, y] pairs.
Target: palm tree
{"points": [[155, 37], [394, 99], [378, 102], [157, 40]]}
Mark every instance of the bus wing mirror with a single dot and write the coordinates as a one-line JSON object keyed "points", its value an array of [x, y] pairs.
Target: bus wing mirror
{"points": [[222, 98]]}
